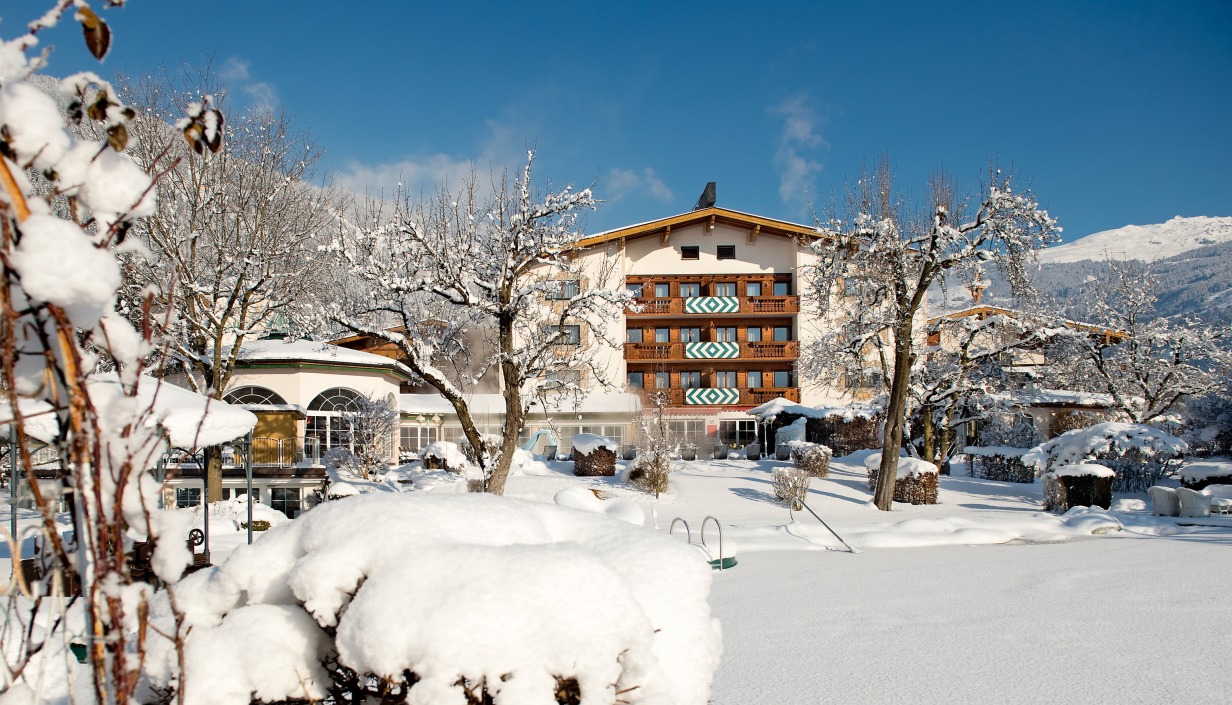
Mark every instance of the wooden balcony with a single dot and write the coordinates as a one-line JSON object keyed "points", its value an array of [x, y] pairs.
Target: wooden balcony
{"points": [[748, 397], [675, 306], [764, 350]]}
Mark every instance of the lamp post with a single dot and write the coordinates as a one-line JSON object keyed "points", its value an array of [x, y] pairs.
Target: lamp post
{"points": [[248, 479]]}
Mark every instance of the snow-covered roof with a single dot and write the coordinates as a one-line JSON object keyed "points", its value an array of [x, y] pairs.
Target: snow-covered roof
{"points": [[781, 405], [191, 420], [312, 351], [594, 403], [1063, 397]]}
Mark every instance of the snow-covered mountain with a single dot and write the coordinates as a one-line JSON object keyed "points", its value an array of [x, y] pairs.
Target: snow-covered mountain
{"points": [[1145, 242], [1192, 257]]}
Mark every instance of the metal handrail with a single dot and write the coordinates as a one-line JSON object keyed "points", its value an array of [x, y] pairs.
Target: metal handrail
{"points": [[688, 533], [823, 523], [720, 528]]}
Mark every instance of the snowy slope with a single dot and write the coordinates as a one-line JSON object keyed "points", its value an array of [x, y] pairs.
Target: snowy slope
{"points": [[1145, 242]]}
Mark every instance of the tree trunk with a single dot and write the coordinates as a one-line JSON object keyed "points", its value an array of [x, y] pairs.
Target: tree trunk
{"points": [[895, 417], [213, 473], [929, 449]]}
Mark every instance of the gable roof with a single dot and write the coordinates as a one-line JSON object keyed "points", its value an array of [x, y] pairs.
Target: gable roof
{"points": [[984, 311], [764, 226]]}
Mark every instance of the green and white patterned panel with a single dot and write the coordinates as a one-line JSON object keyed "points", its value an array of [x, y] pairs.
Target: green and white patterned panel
{"points": [[711, 351], [712, 397], [712, 304]]}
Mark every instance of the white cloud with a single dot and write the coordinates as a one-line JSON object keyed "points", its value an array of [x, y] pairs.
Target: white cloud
{"points": [[239, 73], [798, 137], [624, 182], [415, 174]]}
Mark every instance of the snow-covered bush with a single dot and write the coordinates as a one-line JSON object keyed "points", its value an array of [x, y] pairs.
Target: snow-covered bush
{"points": [[504, 599], [1080, 485], [1210, 471], [1139, 454], [791, 485], [594, 455], [811, 458], [443, 455], [650, 472], [999, 463], [915, 482]]}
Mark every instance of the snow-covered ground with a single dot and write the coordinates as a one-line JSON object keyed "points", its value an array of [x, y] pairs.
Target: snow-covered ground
{"points": [[979, 598]]}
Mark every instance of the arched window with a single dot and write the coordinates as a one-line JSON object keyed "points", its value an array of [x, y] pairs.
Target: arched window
{"points": [[253, 395], [334, 399], [325, 422]]}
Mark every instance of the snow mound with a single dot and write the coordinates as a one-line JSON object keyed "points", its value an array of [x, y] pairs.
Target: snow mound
{"points": [[617, 507], [1091, 520], [236, 510], [446, 452], [585, 443], [907, 467], [1144, 242], [499, 590]]}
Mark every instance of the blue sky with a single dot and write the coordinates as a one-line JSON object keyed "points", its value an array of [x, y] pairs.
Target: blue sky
{"points": [[1119, 113]]}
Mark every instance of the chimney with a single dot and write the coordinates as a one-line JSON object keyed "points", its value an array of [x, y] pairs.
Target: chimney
{"points": [[977, 290], [706, 200]]}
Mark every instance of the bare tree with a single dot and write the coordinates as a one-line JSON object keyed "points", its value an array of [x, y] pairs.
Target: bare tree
{"points": [[876, 260], [1149, 365], [371, 421], [506, 268], [659, 445], [232, 244]]}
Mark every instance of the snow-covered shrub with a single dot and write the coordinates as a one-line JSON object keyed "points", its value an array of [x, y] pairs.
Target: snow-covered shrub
{"points": [[510, 599], [1081, 485], [1139, 454], [1009, 431], [443, 455], [791, 485], [915, 482], [491, 443], [650, 472], [594, 455], [844, 429], [1075, 419], [999, 463], [811, 458], [1211, 471]]}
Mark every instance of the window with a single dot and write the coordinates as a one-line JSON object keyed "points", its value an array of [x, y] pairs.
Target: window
{"points": [[690, 335], [635, 289], [413, 438], [726, 252], [725, 379], [754, 379], [286, 500], [692, 430], [782, 379], [752, 289], [637, 380], [690, 380], [782, 333], [690, 252], [562, 290], [725, 335], [725, 289], [569, 335], [663, 380], [754, 334], [187, 497], [663, 335], [561, 378], [663, 291], [737, 432], [253, 395], [325, 422], [782, 289], [690, 290], [633, 335]]}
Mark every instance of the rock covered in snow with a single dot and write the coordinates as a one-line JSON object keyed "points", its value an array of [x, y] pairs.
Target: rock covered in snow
{"points": [[487, 588]]}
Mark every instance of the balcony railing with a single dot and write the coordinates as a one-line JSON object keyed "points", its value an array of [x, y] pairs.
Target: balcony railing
{"points": [[747, 397], [763, 350], [676, 306]]}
